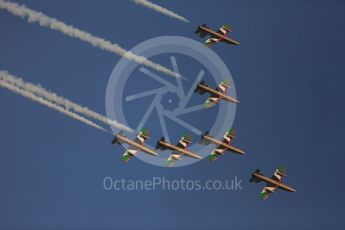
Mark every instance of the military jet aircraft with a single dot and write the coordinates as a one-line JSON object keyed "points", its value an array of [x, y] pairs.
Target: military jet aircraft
{"points": [[134, 146], [216, 94], [216, 36], [272, 183], [224, 145], [179, 149]]}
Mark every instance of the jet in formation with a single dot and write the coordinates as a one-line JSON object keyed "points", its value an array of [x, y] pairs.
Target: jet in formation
{"points": [[221, 35], [178, 150], [272, 183], [134, 146], [223, 145], [215, 94]]}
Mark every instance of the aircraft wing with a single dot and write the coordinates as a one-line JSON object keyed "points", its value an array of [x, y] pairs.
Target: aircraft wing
{"points": [[211, 41], [217, 152], [216, 38], [211, 101], [131, 150], [222, 30], [268, 189], [220, 149], [223, 86], [279, 174]]}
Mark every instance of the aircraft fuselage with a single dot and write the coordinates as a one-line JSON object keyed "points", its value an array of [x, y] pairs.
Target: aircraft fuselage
{"points": [[181, 150], [130, 142], [274, 182], [221, 36]]}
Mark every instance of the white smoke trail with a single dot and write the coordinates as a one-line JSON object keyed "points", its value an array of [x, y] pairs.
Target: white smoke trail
{"points": [[160, 9], [54, 24], [52, 97], [49, 104]]}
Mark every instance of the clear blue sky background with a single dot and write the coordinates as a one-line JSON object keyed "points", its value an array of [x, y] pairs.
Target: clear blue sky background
{"points": [[289, 73]]}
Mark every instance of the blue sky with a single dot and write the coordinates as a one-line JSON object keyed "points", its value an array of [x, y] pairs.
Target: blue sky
{"points": [[288, 73]]}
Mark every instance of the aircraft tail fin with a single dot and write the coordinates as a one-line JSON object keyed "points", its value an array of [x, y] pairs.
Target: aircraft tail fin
{"points": [[116, 140], [200, 90], [198, 30], [201, 32], [254, 178], [203, 140], [159, 145]]}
